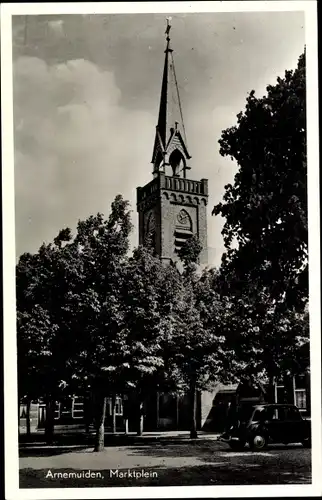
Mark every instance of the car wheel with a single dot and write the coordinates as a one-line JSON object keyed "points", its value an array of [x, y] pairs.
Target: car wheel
{"points": [[307, 443], [258, 442], [237, 444]]}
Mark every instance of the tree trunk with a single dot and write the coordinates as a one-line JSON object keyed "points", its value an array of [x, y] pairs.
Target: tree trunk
{"points": [[113, 414], [270, 394], [158, 410], [139, 428], [100, 425], [87, 415], [49, 422], [177, 412], [193, 409], [288, 389], [28, 431]]}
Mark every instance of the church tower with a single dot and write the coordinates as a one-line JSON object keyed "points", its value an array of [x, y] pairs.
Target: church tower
{"points": [[173, 206]]}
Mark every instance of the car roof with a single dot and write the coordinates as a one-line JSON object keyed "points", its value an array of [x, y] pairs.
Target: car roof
{"points": [[275, 405]]}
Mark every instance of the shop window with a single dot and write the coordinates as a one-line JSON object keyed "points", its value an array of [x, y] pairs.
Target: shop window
{"points": [[118, 406], [300, 399], [77, 407], [57, 411], [66, 408], [167, 405], [280, 394], [300, 380]]}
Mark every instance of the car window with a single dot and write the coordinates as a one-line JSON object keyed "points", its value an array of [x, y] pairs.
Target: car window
{"points": [[271, 413], [281, 413], [274, 414], [262, 414], [258, 415], [292, 414]]}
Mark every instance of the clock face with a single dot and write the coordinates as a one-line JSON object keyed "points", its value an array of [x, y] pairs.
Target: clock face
{"points": [[183, 218]]}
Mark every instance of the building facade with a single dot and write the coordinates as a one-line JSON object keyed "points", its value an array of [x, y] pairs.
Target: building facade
{"points": [[170, 412]]}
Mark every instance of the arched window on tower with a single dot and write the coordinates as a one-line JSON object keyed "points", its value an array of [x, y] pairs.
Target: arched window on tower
{"points": [[183, 230], [177, 163]]}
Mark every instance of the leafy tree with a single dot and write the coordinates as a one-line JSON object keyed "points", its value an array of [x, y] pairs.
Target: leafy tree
{"points": [[198, 346], [264, 270], [149, 293], [189, 253], [34, 334], [69, 291], [41, 329], [265, 231], [101, 246], [263, 340]]}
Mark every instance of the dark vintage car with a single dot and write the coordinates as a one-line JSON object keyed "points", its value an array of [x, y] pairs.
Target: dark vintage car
{"points": [[271, 423]]}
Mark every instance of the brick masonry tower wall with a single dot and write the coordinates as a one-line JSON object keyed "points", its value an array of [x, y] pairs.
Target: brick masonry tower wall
{"points": [[163, 199]]}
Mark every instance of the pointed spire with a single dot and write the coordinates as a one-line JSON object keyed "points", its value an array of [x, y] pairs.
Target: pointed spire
{"points": [[170, 145]]}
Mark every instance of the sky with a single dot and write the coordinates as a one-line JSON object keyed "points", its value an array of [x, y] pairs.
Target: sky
{"points": [[86, 97]]}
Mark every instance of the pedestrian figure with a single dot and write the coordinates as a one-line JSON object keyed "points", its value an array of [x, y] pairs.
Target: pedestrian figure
{"points": [[231, 420]]}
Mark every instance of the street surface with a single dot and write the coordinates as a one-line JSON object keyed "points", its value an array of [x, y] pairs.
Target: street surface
{"points": [[206, 461]]}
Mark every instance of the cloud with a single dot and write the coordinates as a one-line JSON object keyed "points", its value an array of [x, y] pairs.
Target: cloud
{"points": [[57, 26], [86, 105], [76, 147]]}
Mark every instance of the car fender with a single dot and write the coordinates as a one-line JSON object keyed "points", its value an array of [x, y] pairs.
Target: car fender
{"points": [[307, 427], [258, 429]]}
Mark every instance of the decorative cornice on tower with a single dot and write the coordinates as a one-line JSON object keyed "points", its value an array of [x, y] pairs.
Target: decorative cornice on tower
{"points": [[170, 144]]}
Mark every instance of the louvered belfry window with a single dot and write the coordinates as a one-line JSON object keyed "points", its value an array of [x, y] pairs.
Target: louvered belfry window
{"points": [[183, 229]]}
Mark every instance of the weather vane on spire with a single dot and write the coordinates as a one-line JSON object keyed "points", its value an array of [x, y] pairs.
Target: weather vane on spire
{"points": [[167, 31]]}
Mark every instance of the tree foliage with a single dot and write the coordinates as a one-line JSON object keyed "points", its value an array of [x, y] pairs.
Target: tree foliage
{"points": [[263, 340], [263, 277], [265, 210], [68, 307], [149, 292], [190, 251], [198, 347]]}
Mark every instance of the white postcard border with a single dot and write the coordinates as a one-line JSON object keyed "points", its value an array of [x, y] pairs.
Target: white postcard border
{"points": [[10, 376]]}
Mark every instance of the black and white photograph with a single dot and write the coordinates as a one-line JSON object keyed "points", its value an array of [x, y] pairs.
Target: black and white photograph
{"points": [[161, 249]]}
